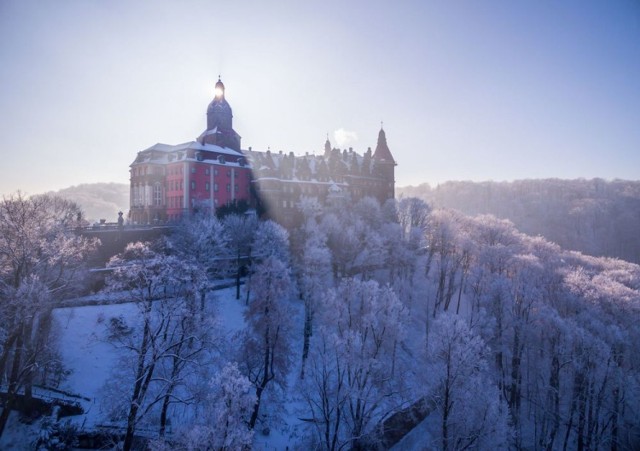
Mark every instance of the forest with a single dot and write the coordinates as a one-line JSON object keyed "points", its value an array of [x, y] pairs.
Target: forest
{"points": [[593, 216], [405, 325]]}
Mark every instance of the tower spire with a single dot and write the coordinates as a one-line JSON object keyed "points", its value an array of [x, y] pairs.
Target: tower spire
{"points": [[327, 147], [382, 152]]}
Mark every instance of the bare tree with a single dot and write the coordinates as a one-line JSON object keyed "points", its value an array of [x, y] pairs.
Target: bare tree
{"points": [[164, 340], [41, 261], [350, 382], [239, 232], [459, 367], [266, 353]]}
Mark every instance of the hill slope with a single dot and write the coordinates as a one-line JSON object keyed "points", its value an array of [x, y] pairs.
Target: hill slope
{"points": [[596, 217], [99, 200]]}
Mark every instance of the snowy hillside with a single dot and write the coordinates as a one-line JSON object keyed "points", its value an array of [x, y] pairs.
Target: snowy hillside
{"points": [[99, 200], [91, 357], [369, 327]]}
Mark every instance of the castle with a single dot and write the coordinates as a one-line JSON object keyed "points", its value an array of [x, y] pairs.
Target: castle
{"points": [[169, 182]]}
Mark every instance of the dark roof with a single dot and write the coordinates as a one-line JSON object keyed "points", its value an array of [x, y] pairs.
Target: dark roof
{"points": [[382, 152]]}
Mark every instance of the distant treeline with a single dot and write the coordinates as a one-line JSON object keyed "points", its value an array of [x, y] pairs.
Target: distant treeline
{"points": [[99, 200], [596, 217]]}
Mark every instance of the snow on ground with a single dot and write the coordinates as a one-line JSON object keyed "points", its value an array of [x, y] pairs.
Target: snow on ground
{"points": [[90, 357], [86, 352], [419, 438], [18, 436], [286, 432]]}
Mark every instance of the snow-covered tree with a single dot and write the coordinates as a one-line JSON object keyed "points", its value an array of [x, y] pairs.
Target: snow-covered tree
{"points": [[232, 402], [239, 231], [472, 412], [270, 240], [163, 342], [42, 260], [265, 356], [312, 265], [202, 238], [354, 239], [315, 278], [413, 215], [223, 424], [352, 380]]}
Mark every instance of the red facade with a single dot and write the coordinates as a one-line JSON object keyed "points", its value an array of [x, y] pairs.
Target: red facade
{"points": [[170, 182]]}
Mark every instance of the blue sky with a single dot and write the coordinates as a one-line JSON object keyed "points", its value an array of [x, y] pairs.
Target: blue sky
{"points": [[491, 90]]}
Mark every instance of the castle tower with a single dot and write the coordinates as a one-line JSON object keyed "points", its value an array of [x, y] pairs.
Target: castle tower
{"points": [[384, 167], [220, 122]]}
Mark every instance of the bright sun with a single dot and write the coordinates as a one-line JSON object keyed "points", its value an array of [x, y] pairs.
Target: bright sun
{"points": [[219, 92]]}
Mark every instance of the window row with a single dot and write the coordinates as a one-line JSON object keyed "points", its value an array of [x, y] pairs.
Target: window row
{"points": [[175, 201], [175, 185], [145, 195], [147, 170]]}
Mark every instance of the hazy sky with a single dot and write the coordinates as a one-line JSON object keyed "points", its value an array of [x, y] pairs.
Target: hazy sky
{"points": [[472, 90]]}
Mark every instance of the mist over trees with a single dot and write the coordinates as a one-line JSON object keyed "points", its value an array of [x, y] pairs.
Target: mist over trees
{"points": [[595, 217], [463, 328], [98, 200]]}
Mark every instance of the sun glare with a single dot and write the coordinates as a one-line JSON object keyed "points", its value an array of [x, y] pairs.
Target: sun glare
{"points": [[219, 92]]}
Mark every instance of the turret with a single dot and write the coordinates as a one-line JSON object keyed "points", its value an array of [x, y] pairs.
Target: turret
{"points": [[327, 147], [384, 167]]}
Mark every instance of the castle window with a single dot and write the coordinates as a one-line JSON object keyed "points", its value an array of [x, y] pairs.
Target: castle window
{"points": [[193, 169], [206, 171], [206, 186], [228, 187], [157, 195], [215, 187], [193, 184]]}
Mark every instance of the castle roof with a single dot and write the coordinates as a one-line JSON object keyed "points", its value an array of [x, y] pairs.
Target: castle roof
{"points": [[193, 145], [382, 152]]}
